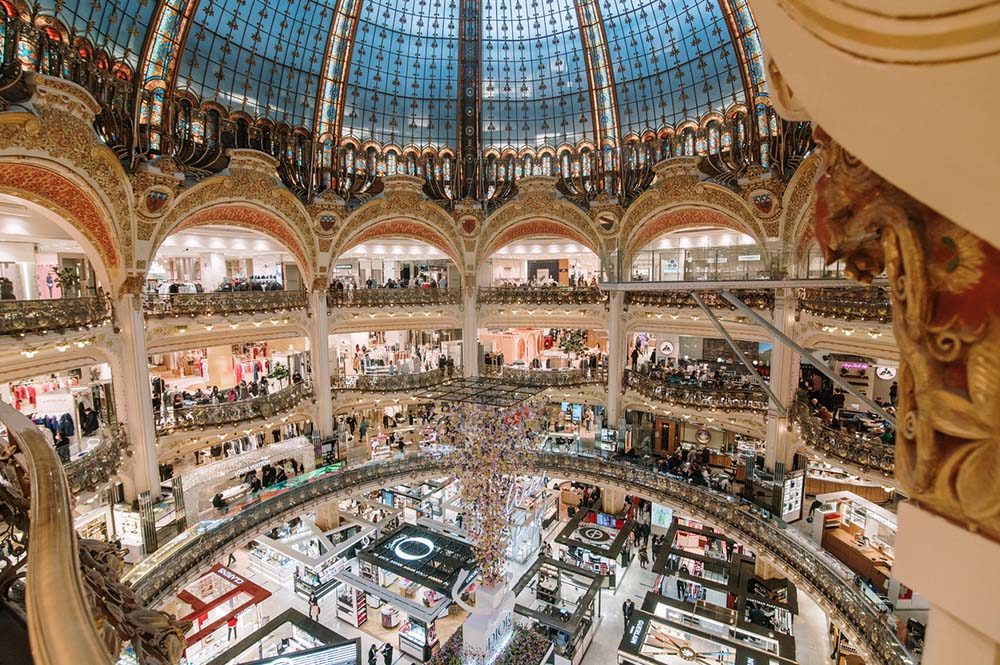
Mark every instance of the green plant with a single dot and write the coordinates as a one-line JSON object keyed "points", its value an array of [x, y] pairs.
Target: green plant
{"points": [[279, 372], [575, 342], [67, 279]]}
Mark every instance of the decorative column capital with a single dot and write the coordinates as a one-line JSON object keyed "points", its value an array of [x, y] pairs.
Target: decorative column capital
{"points": [[945, 285]]}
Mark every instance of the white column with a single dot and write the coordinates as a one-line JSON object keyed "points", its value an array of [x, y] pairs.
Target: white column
{"points": [[783, 381], [470, 330], [954, 569], [319, 352], [136, 413], [616, 356]]}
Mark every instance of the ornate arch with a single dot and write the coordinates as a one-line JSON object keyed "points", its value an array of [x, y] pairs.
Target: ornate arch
{"points": [[677, 219], [535, 227], [402, 210], [74, 208], [247, 215], [537, 211], [400, 227]]}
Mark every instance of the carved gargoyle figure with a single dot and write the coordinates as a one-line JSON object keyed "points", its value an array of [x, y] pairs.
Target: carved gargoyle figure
{"points": [[157, 637], [945, 284]]}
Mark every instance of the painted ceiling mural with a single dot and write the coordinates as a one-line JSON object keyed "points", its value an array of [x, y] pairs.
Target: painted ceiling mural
{"points": [[551, 71]]}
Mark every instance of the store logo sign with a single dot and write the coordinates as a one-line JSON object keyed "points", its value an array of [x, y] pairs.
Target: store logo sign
{"points": [[636, 633], [666, 348], [231, 576], [413, 549], [885, 373]]}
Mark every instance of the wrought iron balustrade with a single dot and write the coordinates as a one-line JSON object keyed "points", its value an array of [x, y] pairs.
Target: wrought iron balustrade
{"points": [[402, 297], [386, 383], [868, 451], [223, 302], [22, 317], [68, 590], [697, 397], [756, 298], [541, 295], [811, 568], [871, 304], [100, 464], [212, 415], [545, 377]]}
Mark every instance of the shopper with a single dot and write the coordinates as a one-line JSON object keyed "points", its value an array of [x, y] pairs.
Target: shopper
{"points": [[387, 654], [231, 634], [314, 608], [363, 429], [643, 558], [372, 651], [232, 559], [627, 608]]}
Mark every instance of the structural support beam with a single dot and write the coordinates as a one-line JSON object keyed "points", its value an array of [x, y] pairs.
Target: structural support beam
{"points": [[808, 355], [775, 402], [470, 49]]}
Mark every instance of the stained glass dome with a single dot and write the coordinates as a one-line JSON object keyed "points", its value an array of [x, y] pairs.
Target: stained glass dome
{"points": [[547, 72]]}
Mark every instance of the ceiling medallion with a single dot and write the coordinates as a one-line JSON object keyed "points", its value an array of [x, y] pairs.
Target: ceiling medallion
{"points": [[765, 204]]}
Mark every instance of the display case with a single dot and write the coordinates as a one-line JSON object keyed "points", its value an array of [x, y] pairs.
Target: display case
{"points": [[352, 605], [272, 564], [418, 640]]}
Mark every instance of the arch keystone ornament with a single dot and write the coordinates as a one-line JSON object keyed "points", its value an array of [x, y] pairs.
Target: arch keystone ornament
{"points": [[945, 285]]}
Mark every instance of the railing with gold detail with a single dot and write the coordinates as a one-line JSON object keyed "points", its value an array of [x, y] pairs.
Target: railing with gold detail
{"points": [[98, 465], [212, 415], [697, 397], [23, 317], [541, 295], [402, 297], [77, 610], [868, 451], [871, 304], [387, 383], [756, 298], [223, 302], [545, 378]]}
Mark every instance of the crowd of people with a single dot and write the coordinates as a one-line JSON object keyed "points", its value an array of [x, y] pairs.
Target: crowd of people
{"points": [[167, 399], [421, 281], [270, 475], [693, 465], [828, 406], [419, 358]]}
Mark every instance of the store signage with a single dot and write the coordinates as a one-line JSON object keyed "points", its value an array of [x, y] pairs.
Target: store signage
{"points": [[636, 633], [748, 257], [666, 348], [231, 576], [703, 436], [853, 365], [413, 548], [885, 373], [662, 516], [337, 655], [343, 266]]}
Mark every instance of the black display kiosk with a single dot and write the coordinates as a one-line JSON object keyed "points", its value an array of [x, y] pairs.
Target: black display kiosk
{"points": [[594, 541]]}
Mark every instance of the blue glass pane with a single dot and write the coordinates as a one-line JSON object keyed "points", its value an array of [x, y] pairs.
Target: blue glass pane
{"points": [[403, 75], [117, 26], [262, 57], [535, 89], [673, 60]]}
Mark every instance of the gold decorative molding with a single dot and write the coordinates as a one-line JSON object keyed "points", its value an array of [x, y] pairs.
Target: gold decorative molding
{"points": [[945, 284]]}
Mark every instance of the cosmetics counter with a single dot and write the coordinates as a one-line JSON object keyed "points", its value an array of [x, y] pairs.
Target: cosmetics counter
{"points": [[562, 602], [291, 638], [210, 602], [404, 582], [594, 541], [824, 478]]}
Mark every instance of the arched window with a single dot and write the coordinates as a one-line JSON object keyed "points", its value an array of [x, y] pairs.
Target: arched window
{"points": [[713, 138], [688, 142]]}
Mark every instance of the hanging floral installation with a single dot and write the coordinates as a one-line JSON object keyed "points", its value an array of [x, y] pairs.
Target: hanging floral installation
{"points": [[489, 445]]}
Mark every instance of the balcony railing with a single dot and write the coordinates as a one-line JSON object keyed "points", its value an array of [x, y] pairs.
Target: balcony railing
{"points": [[212, 415], [78, 612], [873, 304], [869, 629], [385, 383], [22, 317], [90, 471], [865, 450], [696, 396], [544, 378], [408, 297], [756, 298], [541, 295], [223, 302]]}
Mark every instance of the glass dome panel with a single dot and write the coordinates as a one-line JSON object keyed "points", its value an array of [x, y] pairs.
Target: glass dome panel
{"points": [[119, 26]]}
